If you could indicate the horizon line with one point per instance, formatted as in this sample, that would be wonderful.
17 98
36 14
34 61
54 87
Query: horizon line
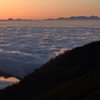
16 19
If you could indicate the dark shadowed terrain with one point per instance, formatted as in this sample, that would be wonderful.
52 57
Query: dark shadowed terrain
65 67
86 87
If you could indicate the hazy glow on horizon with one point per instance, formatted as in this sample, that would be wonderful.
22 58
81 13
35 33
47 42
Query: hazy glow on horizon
42 9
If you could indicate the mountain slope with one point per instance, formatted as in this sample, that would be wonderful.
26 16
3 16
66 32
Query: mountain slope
72 64
86 87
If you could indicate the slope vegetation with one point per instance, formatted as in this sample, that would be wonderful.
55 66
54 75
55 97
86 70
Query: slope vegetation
70 65
86 87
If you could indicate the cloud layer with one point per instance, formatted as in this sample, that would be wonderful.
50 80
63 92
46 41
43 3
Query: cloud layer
27 45
4 82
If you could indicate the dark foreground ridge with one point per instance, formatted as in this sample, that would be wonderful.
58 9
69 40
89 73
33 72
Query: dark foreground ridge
70 65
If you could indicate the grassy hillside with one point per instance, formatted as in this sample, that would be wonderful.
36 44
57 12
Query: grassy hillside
83 88
70 65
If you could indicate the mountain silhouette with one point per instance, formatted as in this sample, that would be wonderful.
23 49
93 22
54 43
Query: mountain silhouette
77 18
6 75
10 19
65 67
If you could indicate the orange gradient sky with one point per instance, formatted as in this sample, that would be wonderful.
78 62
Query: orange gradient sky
43 9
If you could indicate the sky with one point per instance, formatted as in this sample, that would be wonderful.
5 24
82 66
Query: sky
43 9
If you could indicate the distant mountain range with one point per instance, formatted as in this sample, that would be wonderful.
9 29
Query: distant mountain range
75 75
77 18
11 19
61 18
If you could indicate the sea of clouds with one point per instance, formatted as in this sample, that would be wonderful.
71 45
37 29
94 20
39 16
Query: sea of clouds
25 46
4 82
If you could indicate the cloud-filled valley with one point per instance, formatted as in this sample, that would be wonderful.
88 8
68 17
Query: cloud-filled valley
25 46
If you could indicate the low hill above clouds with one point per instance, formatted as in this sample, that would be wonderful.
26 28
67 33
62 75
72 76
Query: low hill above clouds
70 65
6 75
